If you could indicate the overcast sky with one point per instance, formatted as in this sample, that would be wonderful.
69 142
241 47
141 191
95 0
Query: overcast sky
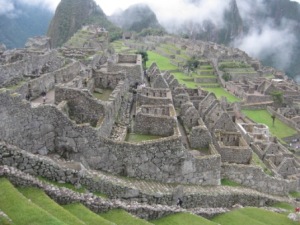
109 6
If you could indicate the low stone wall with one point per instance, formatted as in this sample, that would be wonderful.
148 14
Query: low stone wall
206 80
65 196
47 168
258 98
254 177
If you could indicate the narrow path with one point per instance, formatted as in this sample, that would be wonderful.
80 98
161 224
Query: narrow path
49 99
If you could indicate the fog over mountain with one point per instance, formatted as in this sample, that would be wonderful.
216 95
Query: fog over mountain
266 29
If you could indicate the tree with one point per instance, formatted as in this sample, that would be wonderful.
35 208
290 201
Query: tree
226 76
145 58
273 119
277 97
192 64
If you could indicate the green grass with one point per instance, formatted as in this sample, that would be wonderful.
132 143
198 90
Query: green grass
20 210
279 129
131 137
226 182
284 205
253 216
181 219
219 92
162 62
295 194
86 215
104 96
39 198
5 221
121 217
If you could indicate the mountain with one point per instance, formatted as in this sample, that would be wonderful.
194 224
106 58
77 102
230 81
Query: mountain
266 29
71 15
136 18
21 22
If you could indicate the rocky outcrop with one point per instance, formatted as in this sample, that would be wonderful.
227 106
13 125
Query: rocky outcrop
71 15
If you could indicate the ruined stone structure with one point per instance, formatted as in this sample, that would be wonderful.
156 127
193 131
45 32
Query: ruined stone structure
60 108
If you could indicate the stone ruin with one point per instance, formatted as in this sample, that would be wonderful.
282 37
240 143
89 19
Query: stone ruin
91 107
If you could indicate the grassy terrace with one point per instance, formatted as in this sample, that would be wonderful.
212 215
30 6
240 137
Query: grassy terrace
165 64
86 215
253 216
42 200
219 92
279 129
162 62
121 217
20 210
182 218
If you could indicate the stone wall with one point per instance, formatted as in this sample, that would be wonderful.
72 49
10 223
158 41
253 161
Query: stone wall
83 108
107 80
210 200
32 64
254 177
143 99
46 129
200 137
258 98
96 204
135 59
154 124
134 72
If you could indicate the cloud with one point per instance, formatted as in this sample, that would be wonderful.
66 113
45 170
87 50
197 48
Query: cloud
49 4
269 41
6 7
181 11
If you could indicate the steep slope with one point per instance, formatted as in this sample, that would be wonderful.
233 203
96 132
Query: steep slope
13 202
71 15
136 18
21 22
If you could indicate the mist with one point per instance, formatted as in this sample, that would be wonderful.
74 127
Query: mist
266 40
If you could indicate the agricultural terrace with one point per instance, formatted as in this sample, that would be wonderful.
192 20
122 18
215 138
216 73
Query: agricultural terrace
165 64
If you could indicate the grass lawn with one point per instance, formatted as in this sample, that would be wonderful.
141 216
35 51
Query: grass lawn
121 217
104 96
226 182
162 62
39 198
182 218
253 216
279 129
220 92
86 215
20 209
